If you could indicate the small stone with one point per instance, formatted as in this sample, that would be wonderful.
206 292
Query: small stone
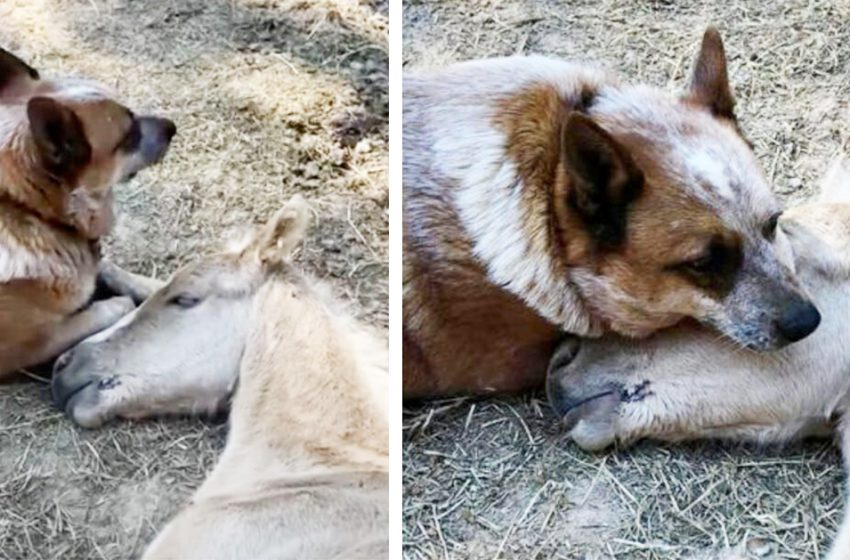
759 547
312 169
795 183
363 147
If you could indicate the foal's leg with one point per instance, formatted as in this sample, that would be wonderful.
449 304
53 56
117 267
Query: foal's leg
841 546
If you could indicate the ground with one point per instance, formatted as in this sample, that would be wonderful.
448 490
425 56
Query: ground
271 98
498 478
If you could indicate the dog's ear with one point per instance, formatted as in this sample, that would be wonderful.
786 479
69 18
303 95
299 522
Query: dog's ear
604 179
282 234
58 135
15 74
710 81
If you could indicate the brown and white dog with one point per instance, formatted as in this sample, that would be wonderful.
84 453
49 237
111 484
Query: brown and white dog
543 197
63 144
686 383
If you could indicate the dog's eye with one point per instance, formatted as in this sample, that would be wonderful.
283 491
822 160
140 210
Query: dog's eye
184 301
702 265
715 268
769 228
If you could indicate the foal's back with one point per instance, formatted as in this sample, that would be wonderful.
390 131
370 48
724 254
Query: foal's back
304 472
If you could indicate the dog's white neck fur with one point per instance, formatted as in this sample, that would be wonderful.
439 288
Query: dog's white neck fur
471 151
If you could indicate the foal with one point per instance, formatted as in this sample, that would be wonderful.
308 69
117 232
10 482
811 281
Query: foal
304 472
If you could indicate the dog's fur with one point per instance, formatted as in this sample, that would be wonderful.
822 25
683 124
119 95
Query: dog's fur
686 383
63 144
304 472
541 197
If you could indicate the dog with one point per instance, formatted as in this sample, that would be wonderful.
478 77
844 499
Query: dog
686 383
64 143
542 198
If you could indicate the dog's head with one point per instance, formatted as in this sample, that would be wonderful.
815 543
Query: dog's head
674 215
66 142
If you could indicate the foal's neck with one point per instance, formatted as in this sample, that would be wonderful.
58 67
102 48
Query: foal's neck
312 385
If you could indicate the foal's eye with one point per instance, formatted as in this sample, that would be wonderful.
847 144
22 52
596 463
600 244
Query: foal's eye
185 301
769 228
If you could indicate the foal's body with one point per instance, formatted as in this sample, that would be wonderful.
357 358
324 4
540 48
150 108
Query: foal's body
304 472
305 464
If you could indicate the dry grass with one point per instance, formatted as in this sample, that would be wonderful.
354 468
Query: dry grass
497 478
271 97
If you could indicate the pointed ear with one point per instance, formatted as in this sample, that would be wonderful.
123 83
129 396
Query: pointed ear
835 184
710 81
604 179
15 74
284 231
58 134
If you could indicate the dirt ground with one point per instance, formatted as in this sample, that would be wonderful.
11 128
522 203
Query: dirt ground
271 97
497 478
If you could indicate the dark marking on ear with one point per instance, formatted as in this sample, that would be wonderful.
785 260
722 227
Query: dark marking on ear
710 81
586 99
13 69
604 179
59 136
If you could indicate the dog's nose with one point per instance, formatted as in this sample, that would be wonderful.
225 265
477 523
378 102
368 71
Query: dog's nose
63 361
169 129
798 321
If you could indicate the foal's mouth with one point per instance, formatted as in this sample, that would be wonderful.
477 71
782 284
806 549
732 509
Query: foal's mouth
62 395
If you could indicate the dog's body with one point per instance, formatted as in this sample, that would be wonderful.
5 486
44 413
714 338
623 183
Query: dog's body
686 383
63 145
542 197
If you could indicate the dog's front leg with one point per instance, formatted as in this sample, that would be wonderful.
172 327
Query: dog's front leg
77 327
841 545
123 283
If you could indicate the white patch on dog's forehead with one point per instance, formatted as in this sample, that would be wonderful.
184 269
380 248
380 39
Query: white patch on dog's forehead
710 170
710 161
80 89
724 175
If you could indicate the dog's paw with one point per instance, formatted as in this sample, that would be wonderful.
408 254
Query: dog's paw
110 279
108 311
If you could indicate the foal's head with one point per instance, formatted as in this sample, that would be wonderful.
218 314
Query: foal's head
180 350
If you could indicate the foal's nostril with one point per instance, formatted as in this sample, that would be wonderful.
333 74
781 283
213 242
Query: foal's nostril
63 361
798 321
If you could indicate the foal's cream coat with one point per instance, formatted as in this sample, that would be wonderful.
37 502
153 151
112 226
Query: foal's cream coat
304 472
688 383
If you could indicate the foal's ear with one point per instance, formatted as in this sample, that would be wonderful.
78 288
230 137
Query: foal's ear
835 184
284 231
